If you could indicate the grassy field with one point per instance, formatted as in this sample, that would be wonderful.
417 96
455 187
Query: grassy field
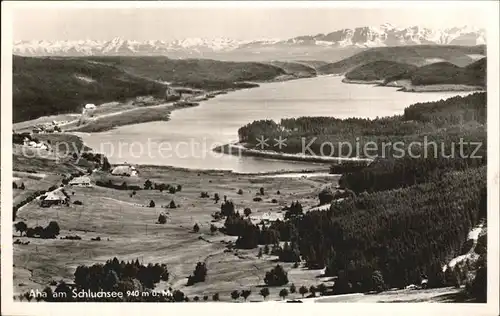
128 231
133 116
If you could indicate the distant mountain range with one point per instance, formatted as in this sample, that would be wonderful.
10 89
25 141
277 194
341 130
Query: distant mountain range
345 41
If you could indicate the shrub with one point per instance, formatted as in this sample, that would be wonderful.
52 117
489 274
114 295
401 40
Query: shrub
303 290
215 297
205 298
196 298
75 237
227 208
22 187
235 295
292 288
257 199
199 274
196 228
278 192
172 190
21 227
261 191
78 202
274 201
162 219
204 195
313 290
276 277
179 188
247 211
321 289
152 203
283 293
178 296
148 185
240 191
216 197
259 255
14 185
172 204
264 292
245 294
216 215
51 231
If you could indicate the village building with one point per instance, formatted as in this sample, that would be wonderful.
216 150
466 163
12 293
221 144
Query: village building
125 170
83 181
56 197
89 106
172 94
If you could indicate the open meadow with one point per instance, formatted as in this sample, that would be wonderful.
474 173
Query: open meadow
128 230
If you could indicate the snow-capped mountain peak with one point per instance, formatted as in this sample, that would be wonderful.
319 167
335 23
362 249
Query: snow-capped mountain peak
360 37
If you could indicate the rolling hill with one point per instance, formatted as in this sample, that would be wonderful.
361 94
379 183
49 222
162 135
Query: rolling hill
298 68
418 55
45 86
57 85
445 73
379 70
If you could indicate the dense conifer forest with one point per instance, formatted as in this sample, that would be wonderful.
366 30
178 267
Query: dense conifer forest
405 217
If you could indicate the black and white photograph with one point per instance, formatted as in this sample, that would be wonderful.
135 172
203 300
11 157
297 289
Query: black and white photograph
260 153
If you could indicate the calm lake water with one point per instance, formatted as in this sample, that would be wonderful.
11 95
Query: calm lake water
186 140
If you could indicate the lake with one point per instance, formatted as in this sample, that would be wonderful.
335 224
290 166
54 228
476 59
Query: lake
187 139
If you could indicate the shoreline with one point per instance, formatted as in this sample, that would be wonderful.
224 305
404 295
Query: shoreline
239 149
146 103
369 82
223 172
408 87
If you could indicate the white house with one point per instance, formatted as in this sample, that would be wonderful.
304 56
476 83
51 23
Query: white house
125 170
89 106
81 181
56 197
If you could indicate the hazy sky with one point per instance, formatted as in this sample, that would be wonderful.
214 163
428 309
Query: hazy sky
237 23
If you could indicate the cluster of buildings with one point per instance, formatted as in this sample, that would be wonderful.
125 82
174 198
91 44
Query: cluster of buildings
35 145
47 128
